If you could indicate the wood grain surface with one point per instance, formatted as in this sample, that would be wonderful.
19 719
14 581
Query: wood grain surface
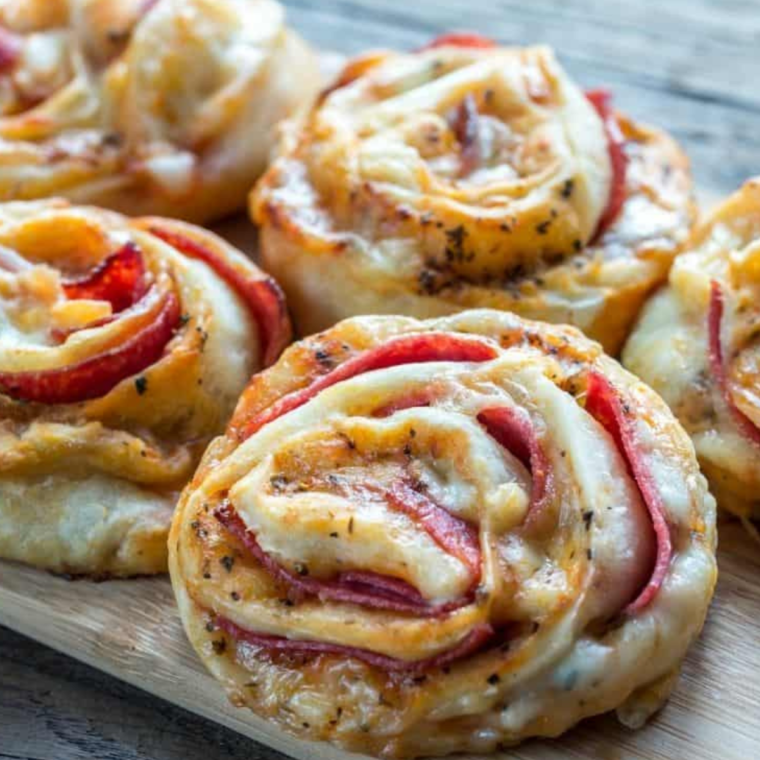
690 66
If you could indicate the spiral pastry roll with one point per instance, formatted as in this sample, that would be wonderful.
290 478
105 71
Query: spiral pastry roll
468 175
698 344
426 537
124 345
145 106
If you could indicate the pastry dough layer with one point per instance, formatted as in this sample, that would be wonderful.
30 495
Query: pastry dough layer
419 538
705 363
146 107
450 178
121 355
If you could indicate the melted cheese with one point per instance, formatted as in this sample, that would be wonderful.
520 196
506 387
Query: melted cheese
166 110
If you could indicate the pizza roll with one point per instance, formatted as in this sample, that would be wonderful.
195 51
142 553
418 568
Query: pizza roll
124 345
145 106
698 344
418 538
465 176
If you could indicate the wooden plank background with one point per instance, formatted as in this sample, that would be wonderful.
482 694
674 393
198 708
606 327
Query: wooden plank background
691 66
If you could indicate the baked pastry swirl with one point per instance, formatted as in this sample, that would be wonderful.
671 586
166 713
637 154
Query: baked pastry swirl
426 537
145 106
698 344
468 175
124 345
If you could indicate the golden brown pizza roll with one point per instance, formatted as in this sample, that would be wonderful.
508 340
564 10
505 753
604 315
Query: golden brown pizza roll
418 538
124 345
698 344
469 175
145 106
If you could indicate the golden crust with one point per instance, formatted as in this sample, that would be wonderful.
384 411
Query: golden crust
146 108
374 205
88 481
552 584
671 347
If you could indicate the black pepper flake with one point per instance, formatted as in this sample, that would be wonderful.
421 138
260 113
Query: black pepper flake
567 189
207 575
286 602
577 246
334 534
210 627
427 281
234 596
117 36
112 140
323 357
588 517
419 679
455 243
219 646
278 482
301 569
305 724
351 524
589 554
407 451
543 227
184 319
141 384
412 433
203 335
493 679
227 561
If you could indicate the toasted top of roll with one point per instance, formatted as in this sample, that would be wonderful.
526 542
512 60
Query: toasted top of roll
143 106
460 176
124 345
698 344
418 538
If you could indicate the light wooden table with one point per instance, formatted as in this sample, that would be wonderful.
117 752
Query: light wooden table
690 66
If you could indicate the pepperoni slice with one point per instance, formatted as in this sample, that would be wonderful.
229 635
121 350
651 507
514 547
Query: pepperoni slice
460 39
604 404
602 101
98 375
262 296
475 640
718 367
408 349
466 129
10 49
119 279
513 429
450 532
362 588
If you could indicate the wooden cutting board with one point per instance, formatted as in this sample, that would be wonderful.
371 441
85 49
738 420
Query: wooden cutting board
131 630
